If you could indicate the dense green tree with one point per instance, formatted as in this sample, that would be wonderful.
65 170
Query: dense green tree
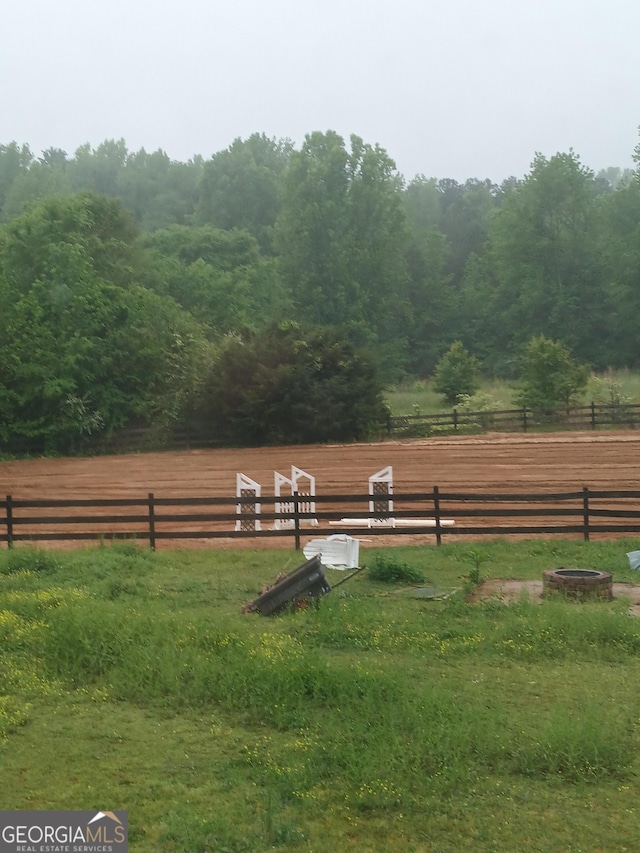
83 348
14 161
432 300
613 178
457 374
39 182
219 276
619 245
99 170
378 236
159 358
619 242
341 238
35 181
284 385
239 187
329 235
158 191
481 317
312 231
220 249
449 226
466 211
105 358
422 200
62 239
549 375
546 263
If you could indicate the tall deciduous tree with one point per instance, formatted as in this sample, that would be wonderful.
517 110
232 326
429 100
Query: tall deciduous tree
99 170
432 299
549 375
620 251
547 263
84 348
466 211
239 187
14 161
44 178
341 237
219 276
457 374
158 191
63 239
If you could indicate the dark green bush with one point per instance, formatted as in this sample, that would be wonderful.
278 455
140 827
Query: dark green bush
29 560
389 570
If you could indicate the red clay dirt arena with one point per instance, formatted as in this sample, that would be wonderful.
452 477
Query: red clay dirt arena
489 463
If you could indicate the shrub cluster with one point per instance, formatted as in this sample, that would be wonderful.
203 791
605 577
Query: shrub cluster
387 569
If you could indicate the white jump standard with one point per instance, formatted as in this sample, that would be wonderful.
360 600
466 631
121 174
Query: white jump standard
381 484
247 488
306 507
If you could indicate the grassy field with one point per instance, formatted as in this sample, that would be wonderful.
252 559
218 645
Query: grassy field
419 398
374 721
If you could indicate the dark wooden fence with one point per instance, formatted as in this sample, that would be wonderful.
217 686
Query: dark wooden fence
135 439
434 516
125 440
594 416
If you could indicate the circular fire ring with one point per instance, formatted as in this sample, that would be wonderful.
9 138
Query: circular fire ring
577 583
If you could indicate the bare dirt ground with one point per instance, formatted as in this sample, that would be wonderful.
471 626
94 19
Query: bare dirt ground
490 463
509 591
498 463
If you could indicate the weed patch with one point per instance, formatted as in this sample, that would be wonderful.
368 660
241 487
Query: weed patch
29 560
387 569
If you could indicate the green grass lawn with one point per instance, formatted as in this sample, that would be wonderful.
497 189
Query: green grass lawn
418 397
371 721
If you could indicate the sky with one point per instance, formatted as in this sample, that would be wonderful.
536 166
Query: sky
449 88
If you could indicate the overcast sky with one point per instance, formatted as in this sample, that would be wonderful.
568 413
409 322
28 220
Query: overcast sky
450 88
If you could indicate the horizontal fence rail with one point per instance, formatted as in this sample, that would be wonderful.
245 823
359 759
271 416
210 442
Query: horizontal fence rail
435 514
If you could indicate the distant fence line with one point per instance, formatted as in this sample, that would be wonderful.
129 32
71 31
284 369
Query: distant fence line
435 514
594 416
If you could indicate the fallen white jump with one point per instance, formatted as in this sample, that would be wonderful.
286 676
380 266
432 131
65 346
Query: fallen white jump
336 552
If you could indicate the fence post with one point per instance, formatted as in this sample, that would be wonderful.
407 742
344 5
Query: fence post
524 418
296 519
9 522
455 420
436 514
585 512
593 415
152 523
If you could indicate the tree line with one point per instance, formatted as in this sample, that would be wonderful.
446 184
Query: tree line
272 293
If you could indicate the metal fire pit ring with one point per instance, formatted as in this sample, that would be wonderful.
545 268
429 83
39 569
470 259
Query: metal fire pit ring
577 583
